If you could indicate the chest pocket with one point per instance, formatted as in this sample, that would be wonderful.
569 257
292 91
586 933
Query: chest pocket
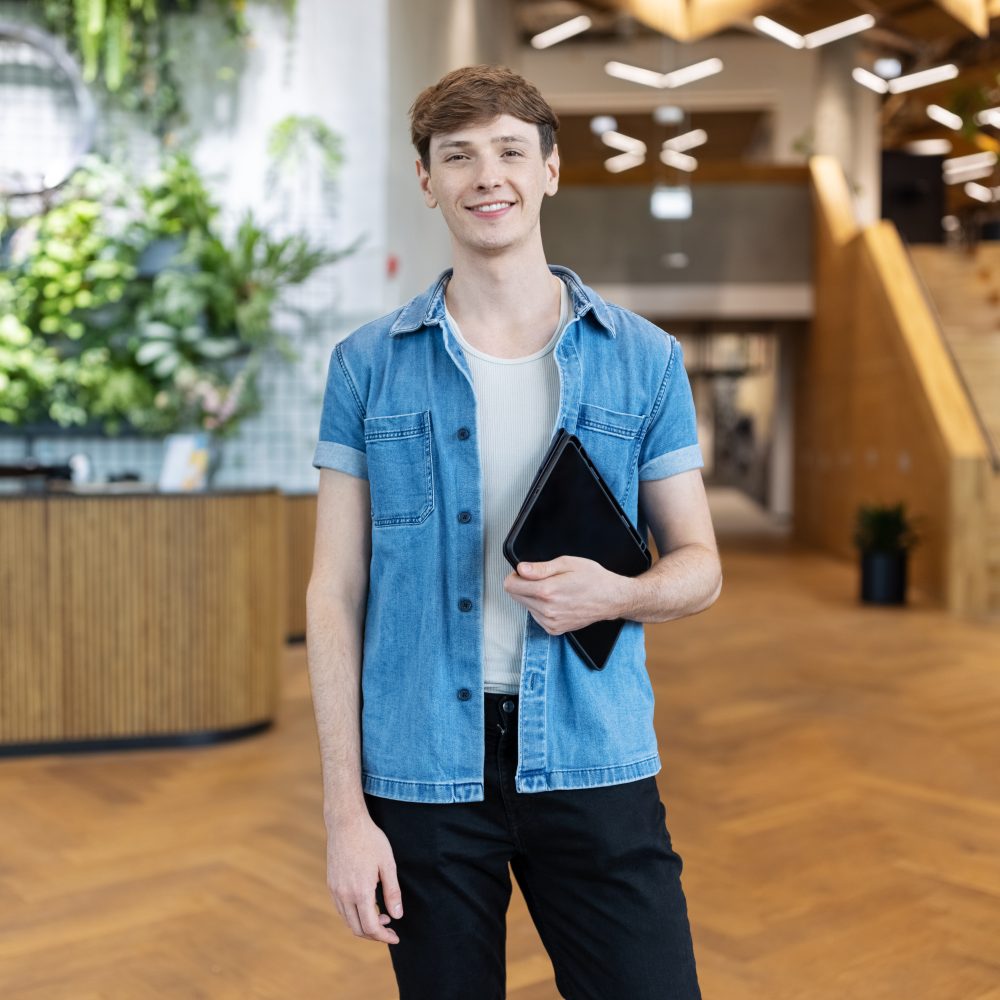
400 468
610 439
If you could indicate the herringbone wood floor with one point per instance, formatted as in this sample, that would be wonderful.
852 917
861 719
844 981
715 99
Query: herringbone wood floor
831 776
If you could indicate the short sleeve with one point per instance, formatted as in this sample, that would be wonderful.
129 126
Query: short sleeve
671 442
341 442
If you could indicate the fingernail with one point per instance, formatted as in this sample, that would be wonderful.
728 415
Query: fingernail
397 910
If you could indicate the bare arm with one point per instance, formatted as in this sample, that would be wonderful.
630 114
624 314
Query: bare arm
359 855
687 575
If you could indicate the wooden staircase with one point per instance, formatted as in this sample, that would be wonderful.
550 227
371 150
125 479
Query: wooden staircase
963 289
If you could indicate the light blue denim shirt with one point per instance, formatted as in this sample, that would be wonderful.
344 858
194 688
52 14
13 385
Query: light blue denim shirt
400 410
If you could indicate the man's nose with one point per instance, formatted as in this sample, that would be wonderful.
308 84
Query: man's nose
488 176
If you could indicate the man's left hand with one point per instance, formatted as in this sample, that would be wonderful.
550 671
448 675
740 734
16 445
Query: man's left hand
566 593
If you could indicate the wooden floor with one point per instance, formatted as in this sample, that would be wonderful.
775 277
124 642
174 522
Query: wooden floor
831 776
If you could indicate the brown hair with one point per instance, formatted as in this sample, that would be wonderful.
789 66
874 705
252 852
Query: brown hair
474 95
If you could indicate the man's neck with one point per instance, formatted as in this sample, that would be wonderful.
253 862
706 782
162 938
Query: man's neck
506 292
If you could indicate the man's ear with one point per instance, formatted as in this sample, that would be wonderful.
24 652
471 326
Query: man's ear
424 179
552 171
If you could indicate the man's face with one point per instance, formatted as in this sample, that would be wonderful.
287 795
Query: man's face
489 181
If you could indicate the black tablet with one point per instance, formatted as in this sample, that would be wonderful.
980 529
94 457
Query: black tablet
570 510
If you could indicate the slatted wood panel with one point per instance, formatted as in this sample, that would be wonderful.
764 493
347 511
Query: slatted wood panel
881 414
831 776
300 516
139 615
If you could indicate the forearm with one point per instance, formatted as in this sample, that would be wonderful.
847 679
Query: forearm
334 650
680 583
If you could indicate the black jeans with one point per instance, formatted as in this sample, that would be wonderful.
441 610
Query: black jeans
595 866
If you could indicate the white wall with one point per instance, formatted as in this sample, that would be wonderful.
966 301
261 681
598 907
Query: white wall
426 40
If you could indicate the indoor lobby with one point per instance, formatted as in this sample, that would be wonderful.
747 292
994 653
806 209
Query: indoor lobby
200 203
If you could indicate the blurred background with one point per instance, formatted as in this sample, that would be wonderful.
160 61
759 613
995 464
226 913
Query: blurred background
200 198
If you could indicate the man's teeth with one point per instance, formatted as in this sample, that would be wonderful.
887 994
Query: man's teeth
495 206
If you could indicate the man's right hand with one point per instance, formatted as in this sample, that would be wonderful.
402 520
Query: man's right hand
358 857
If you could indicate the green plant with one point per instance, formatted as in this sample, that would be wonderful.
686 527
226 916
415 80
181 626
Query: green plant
91 332
884 528
124 45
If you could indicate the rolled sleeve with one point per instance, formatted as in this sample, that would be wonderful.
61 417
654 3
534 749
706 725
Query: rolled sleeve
671 442
341 442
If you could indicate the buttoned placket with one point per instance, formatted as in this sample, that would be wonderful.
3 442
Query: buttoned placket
531 742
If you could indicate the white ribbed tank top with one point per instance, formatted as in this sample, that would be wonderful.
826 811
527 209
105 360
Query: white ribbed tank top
517 403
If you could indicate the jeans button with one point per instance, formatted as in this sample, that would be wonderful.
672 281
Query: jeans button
508 706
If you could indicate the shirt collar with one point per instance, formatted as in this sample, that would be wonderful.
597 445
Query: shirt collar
427 308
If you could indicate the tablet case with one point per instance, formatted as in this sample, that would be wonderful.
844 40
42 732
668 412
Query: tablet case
570 510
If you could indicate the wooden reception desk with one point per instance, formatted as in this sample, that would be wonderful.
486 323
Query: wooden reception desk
139 619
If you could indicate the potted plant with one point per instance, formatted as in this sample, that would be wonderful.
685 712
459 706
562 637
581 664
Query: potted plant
884 534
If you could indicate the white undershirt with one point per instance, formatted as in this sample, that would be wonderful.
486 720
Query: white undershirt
517 403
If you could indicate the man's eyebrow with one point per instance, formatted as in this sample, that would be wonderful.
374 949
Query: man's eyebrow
460 143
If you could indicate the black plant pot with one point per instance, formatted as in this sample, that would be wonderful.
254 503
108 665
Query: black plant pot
883 576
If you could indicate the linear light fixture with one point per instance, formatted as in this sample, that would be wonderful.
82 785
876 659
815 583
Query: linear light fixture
687 140
815 38
574 26
970 162
979 192
696 71
624 161
634 74
625 143
929 147
923 79
971 174
663 81
991 116
868 79
944 117
679 160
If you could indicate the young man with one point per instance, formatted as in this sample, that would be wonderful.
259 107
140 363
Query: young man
461 736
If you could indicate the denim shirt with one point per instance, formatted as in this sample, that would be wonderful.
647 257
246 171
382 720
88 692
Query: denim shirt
399 409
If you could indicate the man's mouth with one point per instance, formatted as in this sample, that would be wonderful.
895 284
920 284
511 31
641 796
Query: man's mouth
491 209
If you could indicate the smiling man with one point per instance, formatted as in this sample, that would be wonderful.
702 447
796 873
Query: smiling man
461 736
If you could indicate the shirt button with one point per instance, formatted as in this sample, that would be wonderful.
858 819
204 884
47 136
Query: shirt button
464 694
463 433
465 604
464 517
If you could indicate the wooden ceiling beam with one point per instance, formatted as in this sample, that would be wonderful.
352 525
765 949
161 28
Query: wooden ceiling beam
688 20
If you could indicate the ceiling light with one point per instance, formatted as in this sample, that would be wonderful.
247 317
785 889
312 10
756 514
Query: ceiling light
868 79
970 174
679 160
574 26
950 223
668 114
624 161
600 124
677 259
687 140
688 74
944 117
670 202
778 31
634 74
840 30
887 67
623 142
973 160
923 79
978 192
929 147
991 116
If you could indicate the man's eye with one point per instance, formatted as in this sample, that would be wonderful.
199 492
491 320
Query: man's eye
516 152
454 156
